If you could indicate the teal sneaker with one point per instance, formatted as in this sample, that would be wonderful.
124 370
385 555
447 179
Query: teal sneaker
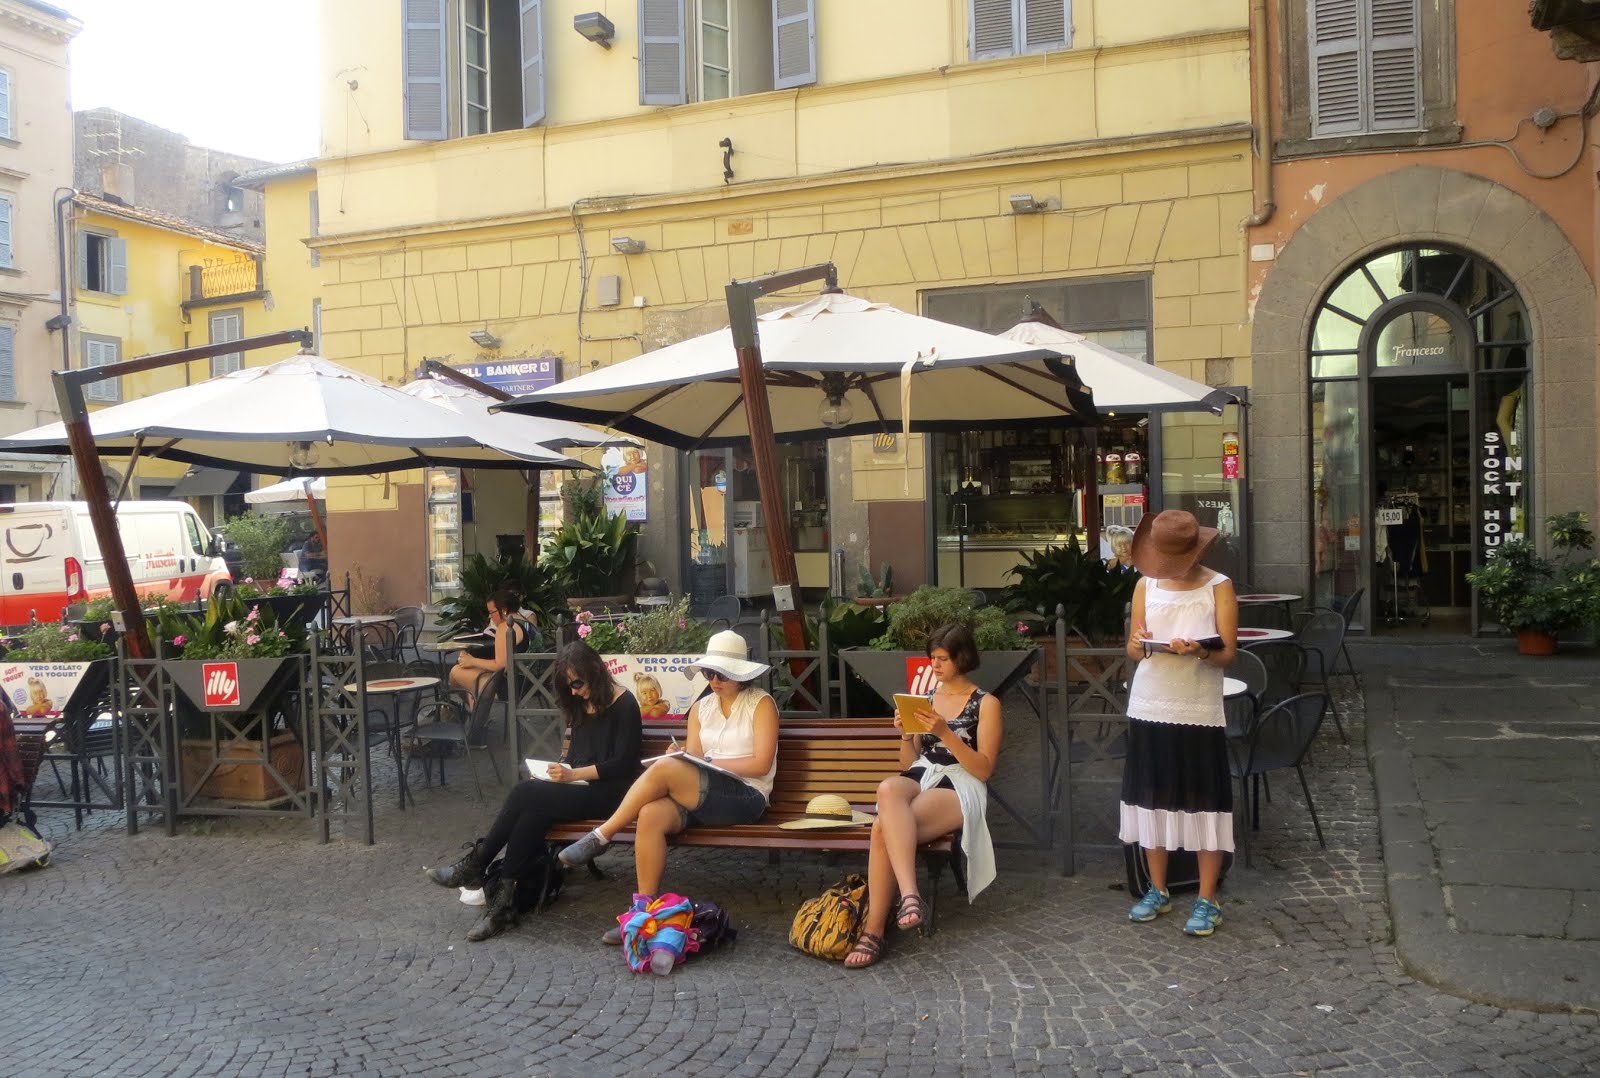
1152 905
1204 918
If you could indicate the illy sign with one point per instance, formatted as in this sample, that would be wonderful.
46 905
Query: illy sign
221 682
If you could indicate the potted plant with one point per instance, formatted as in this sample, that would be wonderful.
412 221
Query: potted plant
591 558
261 540
893 662
1067 575
650 654
299 602
876 591
51 669
234 665
1539 597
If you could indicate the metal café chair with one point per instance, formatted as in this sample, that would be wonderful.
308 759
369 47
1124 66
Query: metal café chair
1285 665
724 612
450 725
1320 636
1280 737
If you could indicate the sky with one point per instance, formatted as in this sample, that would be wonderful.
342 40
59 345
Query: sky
218 71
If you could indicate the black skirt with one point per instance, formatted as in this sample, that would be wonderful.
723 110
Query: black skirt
1177 767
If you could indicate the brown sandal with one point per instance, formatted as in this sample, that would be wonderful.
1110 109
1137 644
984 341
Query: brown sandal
869 944
910 906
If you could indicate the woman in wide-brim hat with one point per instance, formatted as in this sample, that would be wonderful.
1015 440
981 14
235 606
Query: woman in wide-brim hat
722 777
1177 792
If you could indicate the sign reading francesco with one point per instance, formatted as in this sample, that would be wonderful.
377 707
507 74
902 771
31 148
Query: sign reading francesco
221 682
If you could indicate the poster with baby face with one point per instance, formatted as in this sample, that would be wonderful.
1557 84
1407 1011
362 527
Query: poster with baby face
39 690
626 480
659 683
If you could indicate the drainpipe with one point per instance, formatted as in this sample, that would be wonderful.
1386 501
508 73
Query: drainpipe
63 276
1261 108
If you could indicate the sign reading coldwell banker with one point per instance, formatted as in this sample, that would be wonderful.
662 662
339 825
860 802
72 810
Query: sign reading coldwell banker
516 374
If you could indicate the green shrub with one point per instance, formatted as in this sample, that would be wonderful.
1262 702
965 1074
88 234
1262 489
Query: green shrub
52 642
261 540
913 619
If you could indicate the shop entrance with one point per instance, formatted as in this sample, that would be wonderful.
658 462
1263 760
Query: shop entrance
1422 494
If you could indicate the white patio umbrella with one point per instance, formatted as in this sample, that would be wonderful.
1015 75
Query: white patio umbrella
834 367
301 415
290 490
475 406
1121 383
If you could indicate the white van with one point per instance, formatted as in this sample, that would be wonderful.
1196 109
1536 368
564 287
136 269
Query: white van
49 557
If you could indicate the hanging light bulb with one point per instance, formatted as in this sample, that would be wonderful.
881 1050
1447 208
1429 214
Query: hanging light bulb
835 412
302 455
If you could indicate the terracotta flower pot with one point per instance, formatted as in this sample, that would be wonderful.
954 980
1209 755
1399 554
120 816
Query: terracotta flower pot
1535 642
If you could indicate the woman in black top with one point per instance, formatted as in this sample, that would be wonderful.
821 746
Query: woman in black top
477 664
602 760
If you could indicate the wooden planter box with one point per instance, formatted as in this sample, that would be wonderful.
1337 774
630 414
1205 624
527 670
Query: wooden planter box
249 779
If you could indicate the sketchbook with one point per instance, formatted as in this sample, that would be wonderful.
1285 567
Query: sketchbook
707 764
540 769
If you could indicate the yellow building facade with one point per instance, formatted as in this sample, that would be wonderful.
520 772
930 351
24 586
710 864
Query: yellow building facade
899 155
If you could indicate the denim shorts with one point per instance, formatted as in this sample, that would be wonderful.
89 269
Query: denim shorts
724 801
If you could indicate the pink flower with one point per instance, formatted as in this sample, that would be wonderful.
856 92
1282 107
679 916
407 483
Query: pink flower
73 637
1022 627
584 630
179 640
585 617
255 612
253 639
682 624
105 626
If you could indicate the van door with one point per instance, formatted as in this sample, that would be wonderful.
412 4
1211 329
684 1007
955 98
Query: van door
34 547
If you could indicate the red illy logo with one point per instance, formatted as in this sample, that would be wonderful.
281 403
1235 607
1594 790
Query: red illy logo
221 684
919 677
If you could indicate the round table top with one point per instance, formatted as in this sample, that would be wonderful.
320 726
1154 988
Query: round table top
1268 597
396 684
364 619
652 600
1232 686
450 645
1254 635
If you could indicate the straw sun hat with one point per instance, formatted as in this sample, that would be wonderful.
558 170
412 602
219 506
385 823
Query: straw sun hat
1168 543
729 655
827 810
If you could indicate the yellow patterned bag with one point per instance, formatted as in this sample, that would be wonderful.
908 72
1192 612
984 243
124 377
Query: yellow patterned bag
826 926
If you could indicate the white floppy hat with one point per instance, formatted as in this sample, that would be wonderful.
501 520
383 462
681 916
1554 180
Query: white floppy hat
827 810
729 655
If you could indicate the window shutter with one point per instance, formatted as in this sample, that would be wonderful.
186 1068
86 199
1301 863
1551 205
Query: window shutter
1396 79
532 61
8 363
662 79
794 43
225 328
5 104
1046 24
314 212
1335 66
5 232
117 266
994 28
426 111
98 354
83 264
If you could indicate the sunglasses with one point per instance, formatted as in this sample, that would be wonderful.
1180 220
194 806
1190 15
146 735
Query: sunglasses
576 683
714 675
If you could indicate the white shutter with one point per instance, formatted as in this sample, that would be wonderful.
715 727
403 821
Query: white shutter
662 78
5 231
425 64
1396 75
1046 24
116 266
98 354
8 363
226 327
794 43
532 12
994 28
83 264
1335 30
5 104
314 212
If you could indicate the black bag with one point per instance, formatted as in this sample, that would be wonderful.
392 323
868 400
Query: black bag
710 927
1183 870
537 888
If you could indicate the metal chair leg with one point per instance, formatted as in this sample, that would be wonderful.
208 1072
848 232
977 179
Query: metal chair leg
1310 805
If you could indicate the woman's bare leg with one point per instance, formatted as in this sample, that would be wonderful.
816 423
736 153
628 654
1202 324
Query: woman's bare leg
675 779
899 830
657 820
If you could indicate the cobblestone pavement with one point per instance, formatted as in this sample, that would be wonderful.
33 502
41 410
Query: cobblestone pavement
244 948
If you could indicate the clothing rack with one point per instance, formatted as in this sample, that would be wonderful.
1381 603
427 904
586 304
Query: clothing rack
1405 601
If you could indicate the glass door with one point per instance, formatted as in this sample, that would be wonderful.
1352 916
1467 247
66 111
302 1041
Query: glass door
707 479
1203 462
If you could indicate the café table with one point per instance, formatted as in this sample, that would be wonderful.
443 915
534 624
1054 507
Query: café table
397 687
442 649
386 626
1259 635
1232 686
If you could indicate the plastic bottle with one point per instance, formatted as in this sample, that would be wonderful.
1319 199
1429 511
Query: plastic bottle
661 962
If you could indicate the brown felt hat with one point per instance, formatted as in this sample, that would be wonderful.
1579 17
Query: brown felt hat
1166 544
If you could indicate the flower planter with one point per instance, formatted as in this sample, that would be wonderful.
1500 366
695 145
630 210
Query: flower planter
658 682
1535 642
598 604
889 672
292 609
249 779
231 685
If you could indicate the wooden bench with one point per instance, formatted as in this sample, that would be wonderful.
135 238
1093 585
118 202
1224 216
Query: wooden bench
848 757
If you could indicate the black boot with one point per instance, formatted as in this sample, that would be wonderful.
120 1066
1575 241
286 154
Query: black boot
500 915
467 872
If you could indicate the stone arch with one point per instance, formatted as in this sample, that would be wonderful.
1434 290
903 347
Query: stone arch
1417 204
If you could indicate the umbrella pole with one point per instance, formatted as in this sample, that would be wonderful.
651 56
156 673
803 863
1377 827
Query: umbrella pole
530 519
758 415
316 519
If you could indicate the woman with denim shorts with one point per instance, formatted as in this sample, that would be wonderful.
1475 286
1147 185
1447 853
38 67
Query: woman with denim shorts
723 776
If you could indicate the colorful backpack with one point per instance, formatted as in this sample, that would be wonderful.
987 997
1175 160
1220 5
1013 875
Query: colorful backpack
827 926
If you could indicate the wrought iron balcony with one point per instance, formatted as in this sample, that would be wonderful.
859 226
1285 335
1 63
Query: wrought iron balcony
209 285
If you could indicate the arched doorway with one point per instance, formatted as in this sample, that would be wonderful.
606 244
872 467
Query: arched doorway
1420 454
